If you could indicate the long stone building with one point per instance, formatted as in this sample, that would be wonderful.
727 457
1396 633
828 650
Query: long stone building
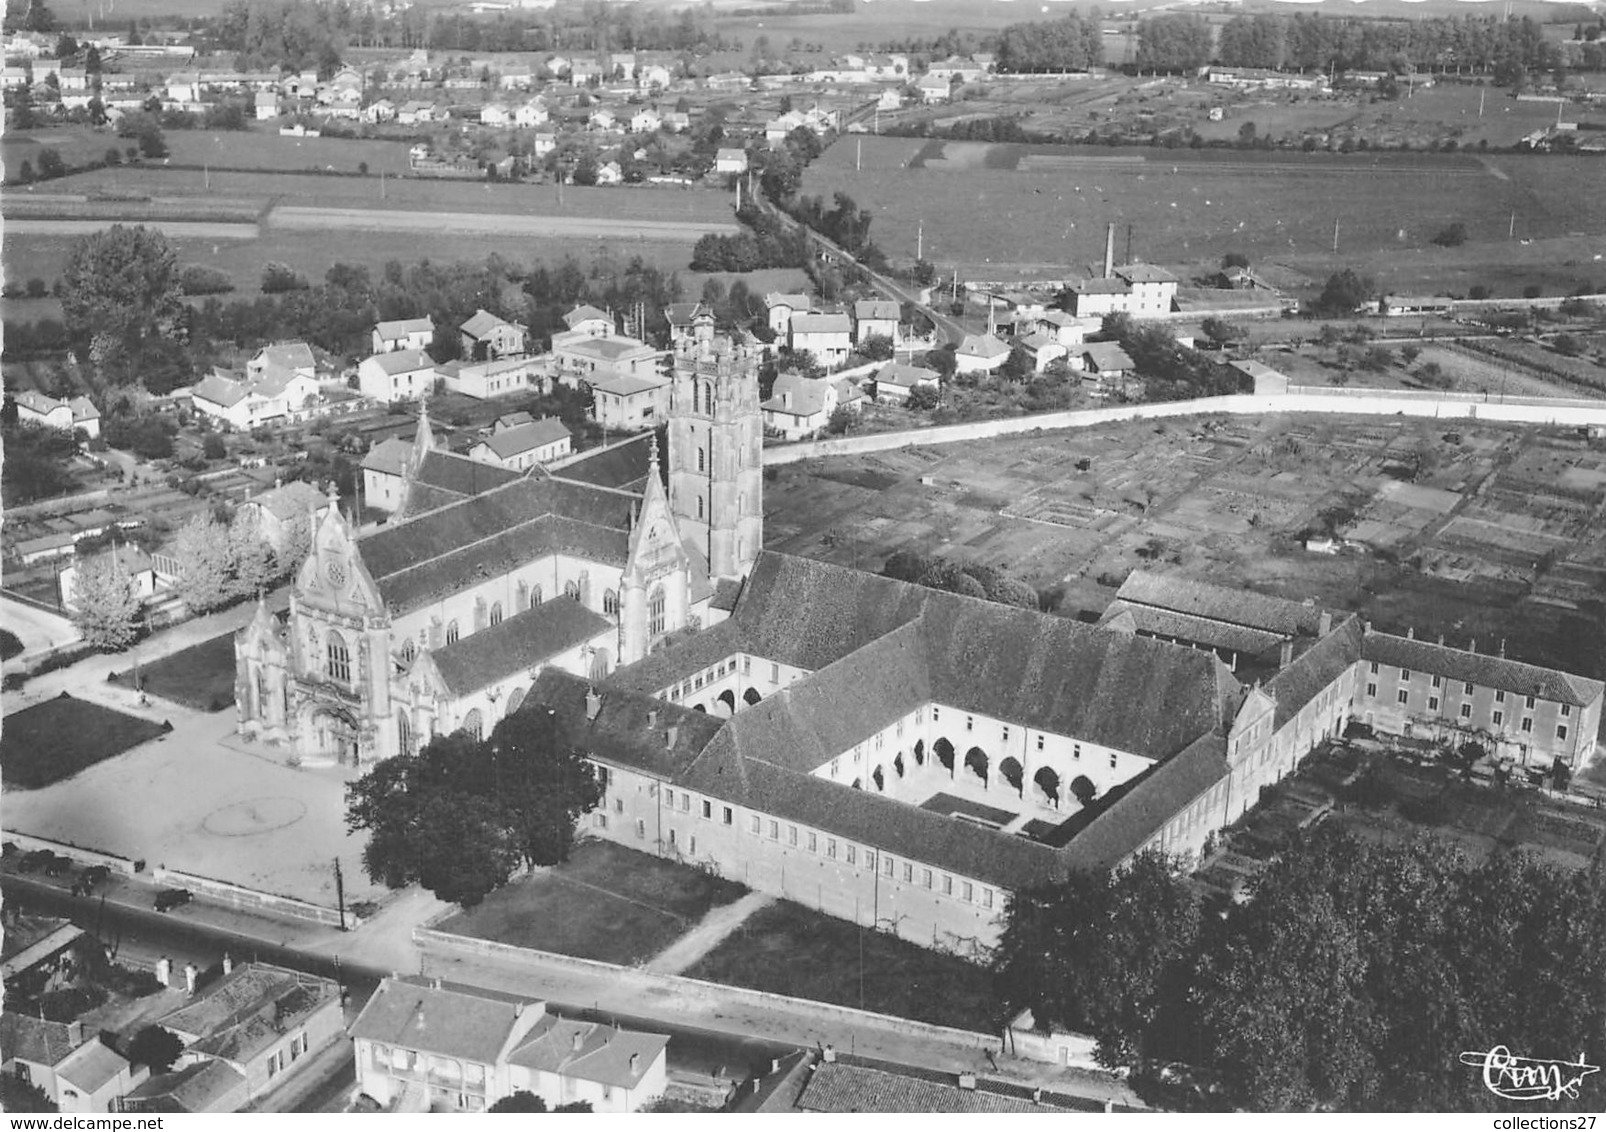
890 754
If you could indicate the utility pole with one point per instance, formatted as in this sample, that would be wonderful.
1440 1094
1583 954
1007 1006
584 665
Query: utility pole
1335 236
340 894
1481 95
858 155
1511 229
920 241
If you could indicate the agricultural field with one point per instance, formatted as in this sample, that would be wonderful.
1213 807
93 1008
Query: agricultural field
1227 500
264 148
998 208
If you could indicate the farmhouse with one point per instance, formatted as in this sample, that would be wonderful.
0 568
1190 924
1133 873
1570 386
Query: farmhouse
934 89
245 403
420 1047
404 334
487 336
69 416
523 445
398 375
829 337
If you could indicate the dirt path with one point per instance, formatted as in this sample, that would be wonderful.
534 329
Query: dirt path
710 933
399 220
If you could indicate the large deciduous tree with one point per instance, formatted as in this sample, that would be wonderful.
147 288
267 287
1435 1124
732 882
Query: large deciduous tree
107 613
206 560
121 289
461 815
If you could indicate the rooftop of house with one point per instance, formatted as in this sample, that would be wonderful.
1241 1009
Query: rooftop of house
1144 273
1481 669
821 324
1101 287
590 1051
200 1087
402 327
853 1086
288 355
91 1066
798 395
876 309
1274 615
1107 356
782 299
607 348
514 441
483 323
287 501
628 384
451 1023
982 346
389 456
896 373
249 1009
401 361
26 1038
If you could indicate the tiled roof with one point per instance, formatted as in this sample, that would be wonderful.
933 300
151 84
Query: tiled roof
1144 273
33 1039
482 323
1101 287
249 1009
838 1087
608 348
389 456
1123 615
604 1052
519 439
821 324
684 314
402 361
402 327
287 501
631 728
1218 603
1148 802
1107 356
783 299
288 355
220 390
628 385
1481 669
882 309
807 395
91 1066
446 1022
460 475
1315 669
982 346
585 313
621 465
896 373
520 642
207 1086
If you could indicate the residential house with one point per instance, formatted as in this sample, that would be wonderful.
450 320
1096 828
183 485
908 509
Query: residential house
1043 349
933 89
889 99
404 334
182 86
267 105
682 318
1153 289
421 1047
485 335
1066 329
1093 298
653 76
677 121
876 317
622 66
516 76
245 403
954 67
629 401
71 79
777 128
77 1074
128 560
398 375
895 381
980 353
586 319
602 119
591 358
282 358
645 121
495 377
543 144
829 337
69 416
1106 362
496 114
610 173
275 512
379 111
584 72
801 407
530 115
244 1036
418 113
13 77
383 471
730 160
558 66
523 445
780 307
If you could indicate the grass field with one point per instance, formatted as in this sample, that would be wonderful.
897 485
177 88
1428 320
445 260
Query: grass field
788 949
606 903
54 740
199 677
262 147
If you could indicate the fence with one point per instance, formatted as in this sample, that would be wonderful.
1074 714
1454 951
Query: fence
238 896
731 998
1514 410
27 843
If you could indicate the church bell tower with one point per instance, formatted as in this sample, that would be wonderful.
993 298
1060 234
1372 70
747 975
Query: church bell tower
716 439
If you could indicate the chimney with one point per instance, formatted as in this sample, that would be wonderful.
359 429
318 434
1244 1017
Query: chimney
593 705
518 1010
786 398
75 1033
1472 645
435 983
671 735
1441 638
164 971
579 1041
1502 648
1037 1096
968 1080
1325 625
1109 252
635 1061
1410 634
652 717
228 963
190 974
1285 654
830 1055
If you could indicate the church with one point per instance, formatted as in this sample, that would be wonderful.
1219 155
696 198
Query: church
898 756
440 620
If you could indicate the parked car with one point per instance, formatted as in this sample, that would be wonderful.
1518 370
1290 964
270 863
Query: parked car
170 898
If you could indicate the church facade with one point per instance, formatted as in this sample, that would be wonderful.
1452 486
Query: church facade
441 620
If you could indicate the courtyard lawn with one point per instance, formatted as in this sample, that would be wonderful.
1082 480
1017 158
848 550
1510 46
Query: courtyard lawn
788 949
606 903
55 740
200 677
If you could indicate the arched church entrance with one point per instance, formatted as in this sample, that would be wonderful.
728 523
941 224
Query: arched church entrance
335 734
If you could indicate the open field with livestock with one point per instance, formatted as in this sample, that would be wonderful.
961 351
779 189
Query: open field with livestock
993 208
1478 532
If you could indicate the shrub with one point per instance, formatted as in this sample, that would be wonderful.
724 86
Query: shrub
1452 235
1532 291
280 277
198 279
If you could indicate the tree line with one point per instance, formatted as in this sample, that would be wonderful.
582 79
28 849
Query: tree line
1311 42
1075 43
1351 981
